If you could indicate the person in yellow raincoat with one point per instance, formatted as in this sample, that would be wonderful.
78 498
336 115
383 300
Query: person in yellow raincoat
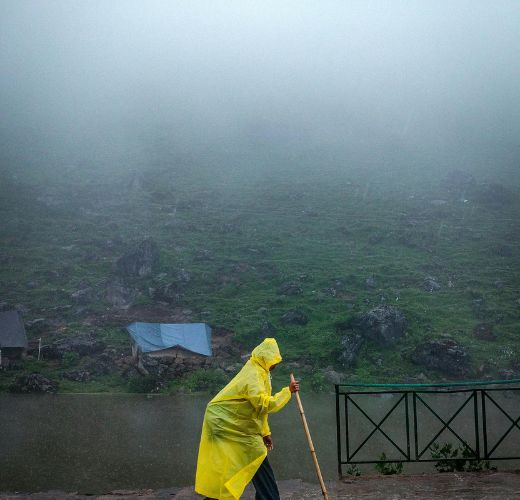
235 432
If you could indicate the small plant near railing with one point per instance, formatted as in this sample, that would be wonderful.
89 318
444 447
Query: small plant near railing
450 459
388 468
353 470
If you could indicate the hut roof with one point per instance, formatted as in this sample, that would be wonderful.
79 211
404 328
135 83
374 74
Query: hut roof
150 337
12 331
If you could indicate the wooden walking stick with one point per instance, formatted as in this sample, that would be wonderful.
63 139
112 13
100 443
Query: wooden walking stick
311 446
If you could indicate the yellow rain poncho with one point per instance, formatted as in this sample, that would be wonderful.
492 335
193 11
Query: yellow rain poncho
231 445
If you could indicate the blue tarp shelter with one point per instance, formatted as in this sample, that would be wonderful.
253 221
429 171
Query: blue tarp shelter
150 337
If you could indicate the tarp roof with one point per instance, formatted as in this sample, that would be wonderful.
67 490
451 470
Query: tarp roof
12 331
195 337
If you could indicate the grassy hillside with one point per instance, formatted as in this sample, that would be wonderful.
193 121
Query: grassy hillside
348 243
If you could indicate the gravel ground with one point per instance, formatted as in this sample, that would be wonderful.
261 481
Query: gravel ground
452 486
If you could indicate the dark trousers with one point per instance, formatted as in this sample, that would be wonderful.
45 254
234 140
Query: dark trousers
265 483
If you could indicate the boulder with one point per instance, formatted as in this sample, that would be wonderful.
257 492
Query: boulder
444 355
143 260
168 292
183 277
33 383
350 346
371 282
83 345
332 376
38 326
384 324
430 284
119 295
294 317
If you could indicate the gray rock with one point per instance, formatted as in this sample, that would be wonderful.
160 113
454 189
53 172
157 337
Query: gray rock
371 282
384 324
267 329
350 346
38 325
294 317
83 296
506 374
444 355
204 255
33 383
183 277
140 261
119 295
332 376
430 284
22 308
83 345
169 292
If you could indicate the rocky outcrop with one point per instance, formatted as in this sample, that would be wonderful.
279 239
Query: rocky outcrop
444 355
430 284
143 260
83 296
119 295
33 383
350 346
83 345
384 325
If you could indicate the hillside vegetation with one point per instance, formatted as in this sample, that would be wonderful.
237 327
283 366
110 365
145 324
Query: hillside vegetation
241 252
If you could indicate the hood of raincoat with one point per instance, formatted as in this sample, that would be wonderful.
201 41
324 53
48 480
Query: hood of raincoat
266 354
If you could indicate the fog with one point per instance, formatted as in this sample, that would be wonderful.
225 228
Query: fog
260 86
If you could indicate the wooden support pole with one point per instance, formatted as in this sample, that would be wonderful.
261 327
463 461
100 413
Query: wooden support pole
311 446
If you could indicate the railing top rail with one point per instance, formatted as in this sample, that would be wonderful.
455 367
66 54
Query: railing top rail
443 384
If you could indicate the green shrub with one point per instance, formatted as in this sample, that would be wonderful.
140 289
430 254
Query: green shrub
353 470
388 468
318 382
206 380
69 359
148 383
451 459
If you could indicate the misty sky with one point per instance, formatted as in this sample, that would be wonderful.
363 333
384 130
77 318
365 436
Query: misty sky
434 80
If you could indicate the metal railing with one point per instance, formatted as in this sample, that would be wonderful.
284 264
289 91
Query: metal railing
415 403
